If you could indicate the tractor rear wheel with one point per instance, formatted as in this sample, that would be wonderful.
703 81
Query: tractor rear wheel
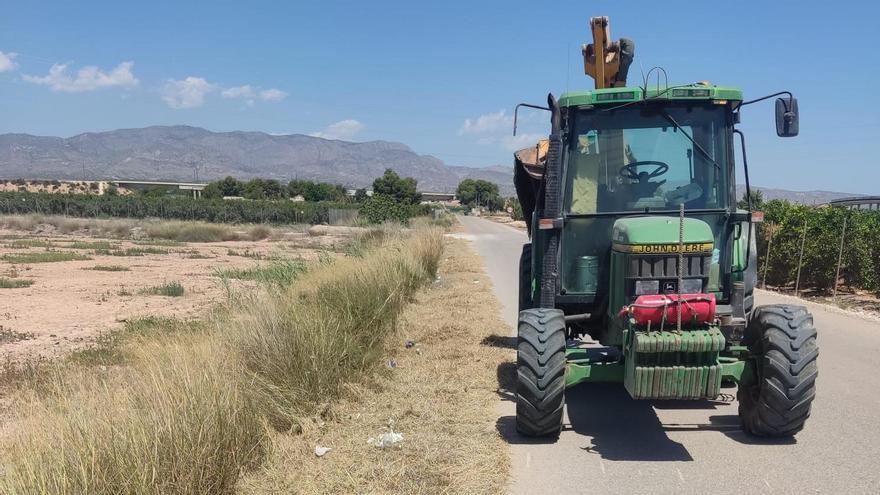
782 340
540 372
525 277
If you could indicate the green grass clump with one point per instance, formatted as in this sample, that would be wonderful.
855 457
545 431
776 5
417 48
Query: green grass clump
28 243
14 283
198 256
134 251
159 242
278 273
44 257
247 253
102 245
109 268
169 289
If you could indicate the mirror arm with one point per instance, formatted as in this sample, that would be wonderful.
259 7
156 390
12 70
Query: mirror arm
756 100
516 111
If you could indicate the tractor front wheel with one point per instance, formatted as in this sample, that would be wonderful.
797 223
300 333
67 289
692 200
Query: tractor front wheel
782 340
540 372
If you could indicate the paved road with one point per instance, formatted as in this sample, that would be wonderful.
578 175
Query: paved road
613 444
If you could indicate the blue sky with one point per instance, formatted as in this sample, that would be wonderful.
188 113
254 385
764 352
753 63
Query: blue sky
442 77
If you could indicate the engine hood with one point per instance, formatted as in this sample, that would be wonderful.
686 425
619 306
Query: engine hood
659 234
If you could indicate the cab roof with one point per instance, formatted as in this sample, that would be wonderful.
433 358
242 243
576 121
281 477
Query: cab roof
696 91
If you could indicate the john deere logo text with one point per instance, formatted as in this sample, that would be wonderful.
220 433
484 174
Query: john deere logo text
693 247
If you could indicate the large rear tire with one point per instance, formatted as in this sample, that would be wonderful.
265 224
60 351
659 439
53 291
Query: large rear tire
540 372
782 340
525 277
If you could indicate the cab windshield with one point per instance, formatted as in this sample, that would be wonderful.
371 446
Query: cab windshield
647 159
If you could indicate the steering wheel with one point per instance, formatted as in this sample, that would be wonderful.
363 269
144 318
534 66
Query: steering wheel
629 171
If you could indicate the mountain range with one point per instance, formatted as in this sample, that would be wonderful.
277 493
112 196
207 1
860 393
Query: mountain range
184 153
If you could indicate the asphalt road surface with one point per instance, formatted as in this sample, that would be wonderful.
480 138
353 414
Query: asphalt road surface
613 444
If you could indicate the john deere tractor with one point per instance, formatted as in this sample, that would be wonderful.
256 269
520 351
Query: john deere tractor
640 267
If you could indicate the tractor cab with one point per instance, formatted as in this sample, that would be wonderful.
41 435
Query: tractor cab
629 164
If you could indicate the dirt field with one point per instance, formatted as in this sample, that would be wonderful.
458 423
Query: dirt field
68 303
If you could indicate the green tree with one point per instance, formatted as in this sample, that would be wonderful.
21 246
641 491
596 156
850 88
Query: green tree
228 186
360 195
263 189
479 192
316 191
757 200
402 189
381 208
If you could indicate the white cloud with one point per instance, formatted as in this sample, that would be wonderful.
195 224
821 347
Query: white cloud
272 94
88 78
344 129
520 141
249 94
7 62
496 128
487 123
186 93
245 91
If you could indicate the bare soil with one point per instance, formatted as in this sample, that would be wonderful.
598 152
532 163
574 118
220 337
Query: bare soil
69 303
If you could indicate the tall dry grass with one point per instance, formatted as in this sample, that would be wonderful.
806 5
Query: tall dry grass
188 413
301 345
181 421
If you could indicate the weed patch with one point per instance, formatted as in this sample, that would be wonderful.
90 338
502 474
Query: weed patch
44 257
108 268
14 283
278 273
169 289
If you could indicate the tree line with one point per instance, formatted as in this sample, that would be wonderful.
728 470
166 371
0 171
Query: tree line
265 201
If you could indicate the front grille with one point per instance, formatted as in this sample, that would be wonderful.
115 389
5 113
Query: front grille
660 267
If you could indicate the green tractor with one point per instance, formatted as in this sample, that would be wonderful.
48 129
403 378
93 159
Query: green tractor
636 241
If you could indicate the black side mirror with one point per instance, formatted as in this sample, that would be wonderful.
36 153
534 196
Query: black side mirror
786 117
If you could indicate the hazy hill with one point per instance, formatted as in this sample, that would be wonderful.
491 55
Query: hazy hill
177 152
804 197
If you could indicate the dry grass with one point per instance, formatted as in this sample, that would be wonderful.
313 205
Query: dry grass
302 345
442 397
187 413
179 422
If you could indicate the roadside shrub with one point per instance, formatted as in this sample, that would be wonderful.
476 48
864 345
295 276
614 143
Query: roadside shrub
380 208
